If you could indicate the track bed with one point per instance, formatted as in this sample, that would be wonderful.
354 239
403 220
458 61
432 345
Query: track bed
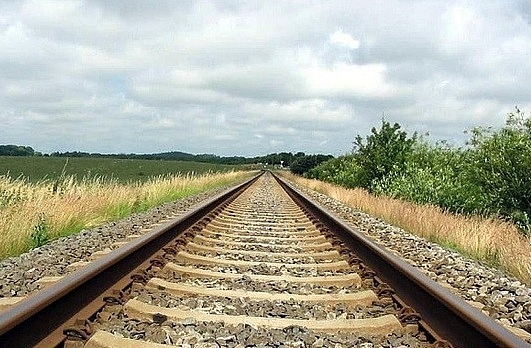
256 268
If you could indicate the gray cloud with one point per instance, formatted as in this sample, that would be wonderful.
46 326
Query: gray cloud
247 79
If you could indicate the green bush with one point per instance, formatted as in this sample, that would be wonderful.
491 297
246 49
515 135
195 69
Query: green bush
303 164
502 167
41 232
383 151
436 175
490 177
344 171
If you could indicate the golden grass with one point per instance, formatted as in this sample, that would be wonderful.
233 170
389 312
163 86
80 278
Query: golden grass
31 213
490 240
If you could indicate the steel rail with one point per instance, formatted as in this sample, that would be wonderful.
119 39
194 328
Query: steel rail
450 317
41 319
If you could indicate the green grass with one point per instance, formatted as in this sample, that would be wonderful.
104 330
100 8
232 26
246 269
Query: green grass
35 169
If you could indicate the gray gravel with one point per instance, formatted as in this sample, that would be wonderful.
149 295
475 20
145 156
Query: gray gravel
246 283
260 258
253 239
271 309
202 335
271 270
267 248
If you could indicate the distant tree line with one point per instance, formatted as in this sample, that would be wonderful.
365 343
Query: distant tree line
302 162
16 150
284 159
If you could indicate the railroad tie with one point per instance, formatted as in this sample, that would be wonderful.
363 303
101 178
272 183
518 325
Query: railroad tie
184 256
351 279
382 325
361 298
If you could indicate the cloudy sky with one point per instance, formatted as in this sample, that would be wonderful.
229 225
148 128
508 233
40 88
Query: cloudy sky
250 78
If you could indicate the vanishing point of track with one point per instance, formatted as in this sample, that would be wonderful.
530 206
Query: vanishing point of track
261 246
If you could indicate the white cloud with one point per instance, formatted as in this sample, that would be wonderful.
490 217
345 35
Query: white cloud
348 80
343 39
315 111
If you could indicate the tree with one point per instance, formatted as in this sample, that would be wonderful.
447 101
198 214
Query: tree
383 151
16 150
303 164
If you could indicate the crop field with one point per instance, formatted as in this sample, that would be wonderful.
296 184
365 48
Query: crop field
35 169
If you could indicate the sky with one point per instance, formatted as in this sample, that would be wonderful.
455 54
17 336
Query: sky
249 78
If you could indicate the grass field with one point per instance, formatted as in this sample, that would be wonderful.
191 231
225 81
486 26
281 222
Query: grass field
44 198
35 169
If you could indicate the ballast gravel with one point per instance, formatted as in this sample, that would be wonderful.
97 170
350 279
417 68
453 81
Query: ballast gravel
266 269
259 258
209 334
270 309
248 284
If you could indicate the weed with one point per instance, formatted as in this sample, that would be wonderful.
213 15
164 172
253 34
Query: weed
41 232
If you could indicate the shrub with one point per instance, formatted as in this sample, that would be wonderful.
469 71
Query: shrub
490 177
501 166
384 151
41 232
436 175
303 164
344 171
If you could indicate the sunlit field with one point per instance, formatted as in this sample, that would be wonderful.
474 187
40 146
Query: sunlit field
495 242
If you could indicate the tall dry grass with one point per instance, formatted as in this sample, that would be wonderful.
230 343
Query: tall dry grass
33 213
490 240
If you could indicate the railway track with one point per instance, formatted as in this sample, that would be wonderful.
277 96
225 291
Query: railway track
260 265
